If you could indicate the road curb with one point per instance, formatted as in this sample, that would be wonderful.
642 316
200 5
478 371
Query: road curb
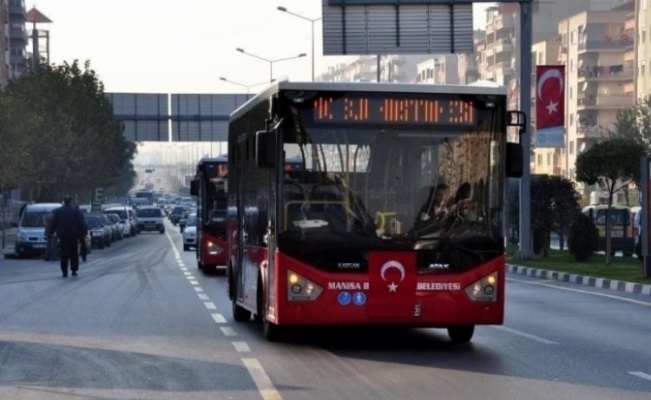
601 283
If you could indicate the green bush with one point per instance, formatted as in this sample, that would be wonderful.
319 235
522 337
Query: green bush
583 238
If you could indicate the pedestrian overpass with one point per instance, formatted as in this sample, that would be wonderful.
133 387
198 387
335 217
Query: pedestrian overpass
171 117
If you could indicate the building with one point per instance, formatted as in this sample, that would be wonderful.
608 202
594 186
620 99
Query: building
639 22
393 68
440 69
600 71
4 42
17 37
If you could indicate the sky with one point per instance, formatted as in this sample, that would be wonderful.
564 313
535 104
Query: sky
185 46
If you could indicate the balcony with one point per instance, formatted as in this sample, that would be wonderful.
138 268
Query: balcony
504 46
504 68
603 101
504 21
605 45
587 131
605 73
631 21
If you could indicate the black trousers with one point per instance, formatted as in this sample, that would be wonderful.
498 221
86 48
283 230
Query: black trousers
69 253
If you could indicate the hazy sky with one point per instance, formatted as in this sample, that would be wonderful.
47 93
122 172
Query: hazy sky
184 46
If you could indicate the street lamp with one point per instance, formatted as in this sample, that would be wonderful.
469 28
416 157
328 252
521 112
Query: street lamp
248 87
271 62
310 20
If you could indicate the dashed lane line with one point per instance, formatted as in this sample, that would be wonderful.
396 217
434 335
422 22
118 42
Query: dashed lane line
241 347
210 305
228 331
198 289
203 296
524 334
218 318
262 381
641 375
194 283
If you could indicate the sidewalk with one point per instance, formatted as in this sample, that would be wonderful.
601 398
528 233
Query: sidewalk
601 283
9 238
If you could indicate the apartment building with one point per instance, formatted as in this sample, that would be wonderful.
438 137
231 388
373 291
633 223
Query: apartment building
596 49
4 42
639 22
440 69
17 37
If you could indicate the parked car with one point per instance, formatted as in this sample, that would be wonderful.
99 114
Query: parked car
127 219
190 232
30 236
100 233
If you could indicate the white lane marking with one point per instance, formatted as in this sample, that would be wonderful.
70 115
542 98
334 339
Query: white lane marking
228 331
198 289
194 283
210 305
641 375
187 273
261 379
191 277
203 296
218 318
241 347
610 296
181 264
184 269
524 334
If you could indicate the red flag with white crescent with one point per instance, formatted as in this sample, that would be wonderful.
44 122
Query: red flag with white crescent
550 96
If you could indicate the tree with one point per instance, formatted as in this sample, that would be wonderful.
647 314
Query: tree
612 164
64 132
633 123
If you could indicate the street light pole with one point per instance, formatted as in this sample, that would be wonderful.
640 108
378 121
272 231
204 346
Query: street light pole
271 62
248 87
311 21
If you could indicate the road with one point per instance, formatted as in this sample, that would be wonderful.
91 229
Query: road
140 322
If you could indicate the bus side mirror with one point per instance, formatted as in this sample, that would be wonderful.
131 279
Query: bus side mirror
514 164
514 151
194 187
265 149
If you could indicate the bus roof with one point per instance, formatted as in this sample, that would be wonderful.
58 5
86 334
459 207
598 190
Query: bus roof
388 87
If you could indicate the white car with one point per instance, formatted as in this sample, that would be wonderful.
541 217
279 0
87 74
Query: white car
190 232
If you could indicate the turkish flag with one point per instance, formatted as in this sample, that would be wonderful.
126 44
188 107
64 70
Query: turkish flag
550 96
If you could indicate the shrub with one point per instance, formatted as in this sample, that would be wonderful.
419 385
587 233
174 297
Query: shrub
583 239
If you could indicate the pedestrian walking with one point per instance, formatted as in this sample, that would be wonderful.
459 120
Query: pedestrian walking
52 246
68 224
83 246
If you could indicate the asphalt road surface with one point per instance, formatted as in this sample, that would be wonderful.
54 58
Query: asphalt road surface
141 322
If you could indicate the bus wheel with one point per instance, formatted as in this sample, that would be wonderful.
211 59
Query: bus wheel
272 332
240 314
259 301
461 334
199 265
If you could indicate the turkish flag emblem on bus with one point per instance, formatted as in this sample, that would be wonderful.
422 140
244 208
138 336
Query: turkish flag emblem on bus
550 96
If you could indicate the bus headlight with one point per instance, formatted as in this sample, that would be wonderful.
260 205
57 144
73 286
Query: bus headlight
301 289
214 249
484 289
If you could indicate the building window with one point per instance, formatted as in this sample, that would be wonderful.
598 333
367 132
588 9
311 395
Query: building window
549 159
540 159
572 147
643 38
572 38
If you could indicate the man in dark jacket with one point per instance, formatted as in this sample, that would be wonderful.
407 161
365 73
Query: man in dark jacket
68 224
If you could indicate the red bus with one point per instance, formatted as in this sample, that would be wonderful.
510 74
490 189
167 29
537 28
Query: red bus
357 234
209 185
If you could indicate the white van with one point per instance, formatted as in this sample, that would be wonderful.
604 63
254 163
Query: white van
30 237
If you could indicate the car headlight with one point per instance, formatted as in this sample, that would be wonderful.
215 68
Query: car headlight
484 289
22 236
300 288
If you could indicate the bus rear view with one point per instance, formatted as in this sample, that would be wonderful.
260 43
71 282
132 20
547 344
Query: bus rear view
395 217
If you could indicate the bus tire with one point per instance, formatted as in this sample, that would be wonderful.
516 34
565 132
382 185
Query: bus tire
259 302
461 333
272 332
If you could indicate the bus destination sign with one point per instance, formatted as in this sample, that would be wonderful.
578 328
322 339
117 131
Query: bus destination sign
398 110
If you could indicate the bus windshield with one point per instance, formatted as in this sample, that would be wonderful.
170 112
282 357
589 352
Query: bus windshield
392 185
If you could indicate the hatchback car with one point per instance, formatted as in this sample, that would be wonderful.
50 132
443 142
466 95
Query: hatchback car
190 232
